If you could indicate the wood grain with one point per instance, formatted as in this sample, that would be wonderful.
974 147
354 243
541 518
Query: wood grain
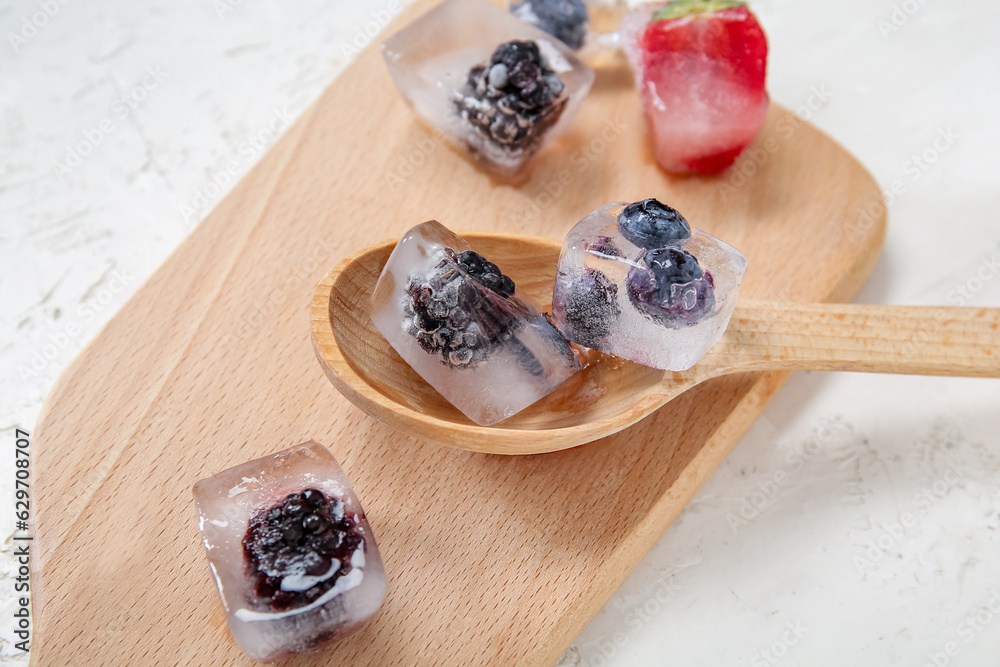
611 394
490 559
910 340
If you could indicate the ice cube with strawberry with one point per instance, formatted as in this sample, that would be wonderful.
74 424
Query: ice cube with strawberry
700 69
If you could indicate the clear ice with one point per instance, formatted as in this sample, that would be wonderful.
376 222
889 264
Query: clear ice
326 577
644 299
441 64
460 324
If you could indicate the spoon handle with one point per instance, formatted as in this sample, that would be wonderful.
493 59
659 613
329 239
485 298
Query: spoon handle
920 340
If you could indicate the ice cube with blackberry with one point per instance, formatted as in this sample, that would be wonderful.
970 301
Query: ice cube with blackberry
497 87
458 320
510 103
291 551
636 281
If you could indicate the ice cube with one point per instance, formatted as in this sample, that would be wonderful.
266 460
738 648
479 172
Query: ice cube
636 281
291 551
704 98
501 108
565 20
454 317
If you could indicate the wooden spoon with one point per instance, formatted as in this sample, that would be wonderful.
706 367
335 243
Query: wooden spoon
612 394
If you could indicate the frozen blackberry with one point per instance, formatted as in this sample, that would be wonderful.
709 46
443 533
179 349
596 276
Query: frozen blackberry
671 287
565 20
296 550
591 307
514 98
451 318
652 224
485 272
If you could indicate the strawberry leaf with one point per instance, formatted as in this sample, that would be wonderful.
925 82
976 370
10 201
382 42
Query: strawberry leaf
682 8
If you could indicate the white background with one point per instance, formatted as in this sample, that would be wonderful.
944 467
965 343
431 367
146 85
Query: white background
854 454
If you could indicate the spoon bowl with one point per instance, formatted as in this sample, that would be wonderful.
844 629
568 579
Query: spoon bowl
361 364
611 394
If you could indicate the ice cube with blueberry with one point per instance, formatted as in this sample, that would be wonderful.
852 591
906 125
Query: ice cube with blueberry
565 20
498 88
700 67
636 281
291 551
460 323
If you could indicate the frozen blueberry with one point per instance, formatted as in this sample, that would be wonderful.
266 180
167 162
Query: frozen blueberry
671 287
652 224
565 20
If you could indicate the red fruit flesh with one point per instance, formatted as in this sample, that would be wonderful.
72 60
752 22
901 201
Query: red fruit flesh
703 87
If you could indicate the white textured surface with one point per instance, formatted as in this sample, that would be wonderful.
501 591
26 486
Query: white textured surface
850 456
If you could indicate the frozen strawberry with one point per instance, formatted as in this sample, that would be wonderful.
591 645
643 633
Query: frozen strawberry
700 67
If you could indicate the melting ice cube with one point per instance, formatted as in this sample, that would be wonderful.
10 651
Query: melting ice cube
291 551
637 282
497 87
455 318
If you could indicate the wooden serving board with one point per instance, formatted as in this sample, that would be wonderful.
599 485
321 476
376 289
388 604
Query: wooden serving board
490 559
